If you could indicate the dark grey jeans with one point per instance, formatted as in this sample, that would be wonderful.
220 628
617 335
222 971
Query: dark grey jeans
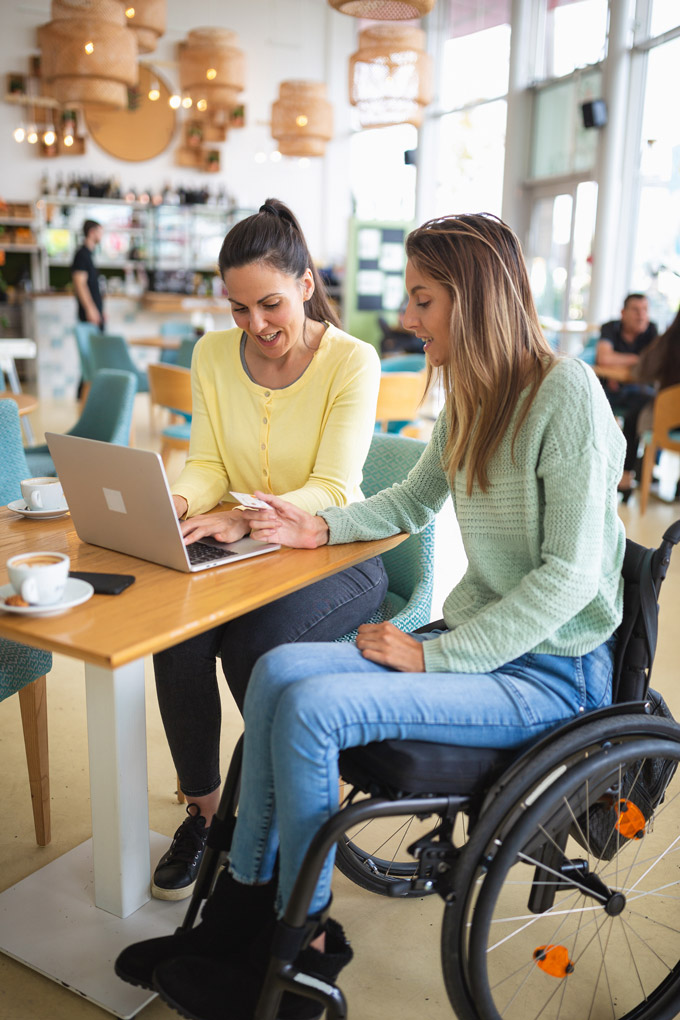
186 675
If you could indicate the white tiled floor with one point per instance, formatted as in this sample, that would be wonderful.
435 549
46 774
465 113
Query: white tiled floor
396 974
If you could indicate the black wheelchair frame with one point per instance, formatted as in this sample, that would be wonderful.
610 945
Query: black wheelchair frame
583 782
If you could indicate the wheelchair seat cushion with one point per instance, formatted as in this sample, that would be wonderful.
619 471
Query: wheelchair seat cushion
394 768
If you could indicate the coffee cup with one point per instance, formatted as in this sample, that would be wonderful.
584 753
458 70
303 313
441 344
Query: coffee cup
39 577
43 494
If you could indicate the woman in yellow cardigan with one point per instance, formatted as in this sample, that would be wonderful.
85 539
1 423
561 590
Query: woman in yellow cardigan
284 403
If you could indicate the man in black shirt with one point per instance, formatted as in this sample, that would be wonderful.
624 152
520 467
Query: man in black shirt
86 278
620 344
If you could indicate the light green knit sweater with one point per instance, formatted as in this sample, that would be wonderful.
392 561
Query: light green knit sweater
544 544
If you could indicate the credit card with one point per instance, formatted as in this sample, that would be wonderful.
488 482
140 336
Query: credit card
250 501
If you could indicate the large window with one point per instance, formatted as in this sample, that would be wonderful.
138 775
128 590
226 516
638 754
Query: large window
657 249
383 185
561 144
475 67
559 255
575 35
470 160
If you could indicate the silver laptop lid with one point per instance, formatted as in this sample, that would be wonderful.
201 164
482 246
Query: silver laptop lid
119 499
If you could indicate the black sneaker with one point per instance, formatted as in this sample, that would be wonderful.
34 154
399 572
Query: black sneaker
175 874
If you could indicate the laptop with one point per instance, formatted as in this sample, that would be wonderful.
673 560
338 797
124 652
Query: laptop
119 498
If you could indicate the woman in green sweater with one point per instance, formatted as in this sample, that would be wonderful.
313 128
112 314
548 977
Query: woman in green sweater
529 451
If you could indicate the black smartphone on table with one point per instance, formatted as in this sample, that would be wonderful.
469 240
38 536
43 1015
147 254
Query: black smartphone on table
104 584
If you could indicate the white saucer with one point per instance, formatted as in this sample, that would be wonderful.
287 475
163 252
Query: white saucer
75 592
18 506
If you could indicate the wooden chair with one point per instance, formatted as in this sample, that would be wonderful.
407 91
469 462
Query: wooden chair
665 435
170 387
399 397
23 669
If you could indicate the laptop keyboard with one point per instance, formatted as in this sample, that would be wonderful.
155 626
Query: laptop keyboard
199 552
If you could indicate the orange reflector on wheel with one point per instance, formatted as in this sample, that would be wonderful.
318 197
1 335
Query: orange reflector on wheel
630 821
554 960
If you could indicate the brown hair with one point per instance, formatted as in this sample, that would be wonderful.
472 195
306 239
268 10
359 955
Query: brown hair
274 236
496 343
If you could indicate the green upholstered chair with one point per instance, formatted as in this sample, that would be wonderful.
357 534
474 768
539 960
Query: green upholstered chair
107 416
186 351
403 363
176 328
23 669
410 566
83 331
108 350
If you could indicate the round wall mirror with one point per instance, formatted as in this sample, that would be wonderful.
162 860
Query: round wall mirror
141 131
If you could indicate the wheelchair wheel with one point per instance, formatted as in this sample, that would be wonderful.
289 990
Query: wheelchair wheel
375 855
591 931
504 806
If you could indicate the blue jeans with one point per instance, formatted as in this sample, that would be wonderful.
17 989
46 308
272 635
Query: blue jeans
186 674
307 702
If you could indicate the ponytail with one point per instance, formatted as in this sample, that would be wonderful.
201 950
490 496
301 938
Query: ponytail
274 236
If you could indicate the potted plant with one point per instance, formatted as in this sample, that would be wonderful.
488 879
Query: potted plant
194 135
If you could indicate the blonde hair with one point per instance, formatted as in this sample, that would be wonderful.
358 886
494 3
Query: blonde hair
496 344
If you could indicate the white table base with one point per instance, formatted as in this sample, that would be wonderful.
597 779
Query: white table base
49 922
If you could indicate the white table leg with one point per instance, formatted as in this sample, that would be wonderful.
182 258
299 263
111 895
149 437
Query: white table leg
49 921
116 728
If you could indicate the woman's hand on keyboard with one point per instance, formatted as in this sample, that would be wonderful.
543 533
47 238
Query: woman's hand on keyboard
225 527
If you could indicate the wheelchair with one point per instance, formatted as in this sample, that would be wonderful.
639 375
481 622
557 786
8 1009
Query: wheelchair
559 873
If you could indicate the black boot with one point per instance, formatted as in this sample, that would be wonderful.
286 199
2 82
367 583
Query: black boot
232 917
203 988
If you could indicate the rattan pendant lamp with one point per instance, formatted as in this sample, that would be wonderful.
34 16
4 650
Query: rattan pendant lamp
147 20
302 118
212 69
88 54
384 10
390 76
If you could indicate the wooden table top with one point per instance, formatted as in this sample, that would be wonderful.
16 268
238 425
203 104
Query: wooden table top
26 401
166 343
163 606
617 373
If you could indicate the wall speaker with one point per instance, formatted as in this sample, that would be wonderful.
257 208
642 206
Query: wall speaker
410 157
594 113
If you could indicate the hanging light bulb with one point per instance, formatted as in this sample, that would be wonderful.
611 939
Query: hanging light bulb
32 135
187 102
50 136
175 101
19 133
202 105
154 91
89 47
68 141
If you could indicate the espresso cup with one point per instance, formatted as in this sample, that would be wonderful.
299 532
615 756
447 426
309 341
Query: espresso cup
43 494
39 577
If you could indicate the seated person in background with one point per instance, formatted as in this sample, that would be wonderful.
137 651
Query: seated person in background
530 453
620 345
659 366
284 402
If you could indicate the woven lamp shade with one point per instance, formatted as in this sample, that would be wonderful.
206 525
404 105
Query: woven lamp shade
99 75
390 76
212 67
384 10
302 118
147 19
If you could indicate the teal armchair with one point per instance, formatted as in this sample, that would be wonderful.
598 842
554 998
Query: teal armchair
410 566
107 416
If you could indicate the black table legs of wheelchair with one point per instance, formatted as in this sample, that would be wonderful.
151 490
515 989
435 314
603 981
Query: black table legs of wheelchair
219 839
